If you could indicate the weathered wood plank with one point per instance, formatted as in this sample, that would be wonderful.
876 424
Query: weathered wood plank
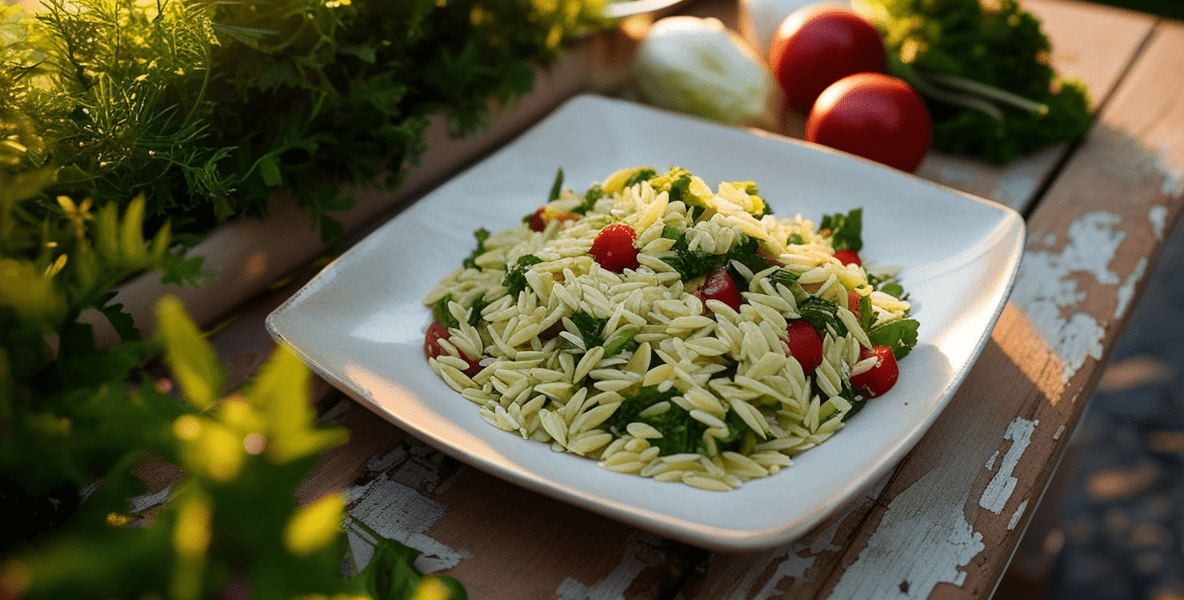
947 522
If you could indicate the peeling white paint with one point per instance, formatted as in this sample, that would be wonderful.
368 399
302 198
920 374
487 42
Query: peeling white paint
142 503
1046 288
991 461
1126 293
921 552
1001 486
1015 516
391 505
1158 215
1060 431
642 551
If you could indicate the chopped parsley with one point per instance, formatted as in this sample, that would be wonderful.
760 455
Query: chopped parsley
481 235
900 335
515 279
845 231
681 433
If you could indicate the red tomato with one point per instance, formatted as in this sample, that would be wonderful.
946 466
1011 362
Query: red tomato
848 256
818 45
875 116
613 248
853 299
719 286
433 349
545 214
882 376
805 345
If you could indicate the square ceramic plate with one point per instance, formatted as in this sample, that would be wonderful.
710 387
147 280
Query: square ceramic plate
360 323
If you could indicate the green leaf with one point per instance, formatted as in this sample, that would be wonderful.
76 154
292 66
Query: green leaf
822 315
443 315
123 322
591 329
269 170
845 230
191 359
900 335
623 342
515 279
281 392
481 235
557 186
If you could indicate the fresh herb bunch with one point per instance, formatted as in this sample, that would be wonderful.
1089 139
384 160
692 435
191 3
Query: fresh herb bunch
984 73
208 107
74 418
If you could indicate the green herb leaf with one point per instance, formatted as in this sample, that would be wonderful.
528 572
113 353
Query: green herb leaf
515 279
845 230
900 335
481 235
622 342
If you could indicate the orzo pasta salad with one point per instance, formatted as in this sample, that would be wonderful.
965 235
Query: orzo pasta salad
670 330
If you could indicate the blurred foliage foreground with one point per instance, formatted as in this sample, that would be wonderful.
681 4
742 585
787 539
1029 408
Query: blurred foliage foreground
128 129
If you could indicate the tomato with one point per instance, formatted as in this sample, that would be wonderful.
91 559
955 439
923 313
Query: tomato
853 298
875 116
545 214
848 256
613 248
818 45
805 345
882 376
719 286
432 347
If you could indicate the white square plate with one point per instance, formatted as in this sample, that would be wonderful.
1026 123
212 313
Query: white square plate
360 323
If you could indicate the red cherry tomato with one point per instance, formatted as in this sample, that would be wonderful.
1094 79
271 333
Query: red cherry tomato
719 286
881 377
546 213
613 248
848 256
433 349
875 116
853 299
805 345
818 45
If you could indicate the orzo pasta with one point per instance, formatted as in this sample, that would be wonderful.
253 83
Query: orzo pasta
670 330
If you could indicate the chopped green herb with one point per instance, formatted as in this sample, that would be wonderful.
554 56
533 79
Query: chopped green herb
823 315
481 235
640 176
900 335
593 194
515 279
440 309
557 187
623 342
794 239
784 276
591 328
845 230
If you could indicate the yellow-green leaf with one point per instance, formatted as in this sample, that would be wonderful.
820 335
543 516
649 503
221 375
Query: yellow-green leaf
192 360
280 392
315 526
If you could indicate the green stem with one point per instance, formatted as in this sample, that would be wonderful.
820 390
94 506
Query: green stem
985 91
926 88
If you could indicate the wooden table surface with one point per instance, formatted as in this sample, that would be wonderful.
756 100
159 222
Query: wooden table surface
945 522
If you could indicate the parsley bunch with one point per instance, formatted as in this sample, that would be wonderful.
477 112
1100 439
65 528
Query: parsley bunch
984 74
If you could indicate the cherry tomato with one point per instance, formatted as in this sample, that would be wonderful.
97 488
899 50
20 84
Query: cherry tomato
719 286
805 345
853 298
546 213
818 45
882 376
876 116
613 248
433 348
848 256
